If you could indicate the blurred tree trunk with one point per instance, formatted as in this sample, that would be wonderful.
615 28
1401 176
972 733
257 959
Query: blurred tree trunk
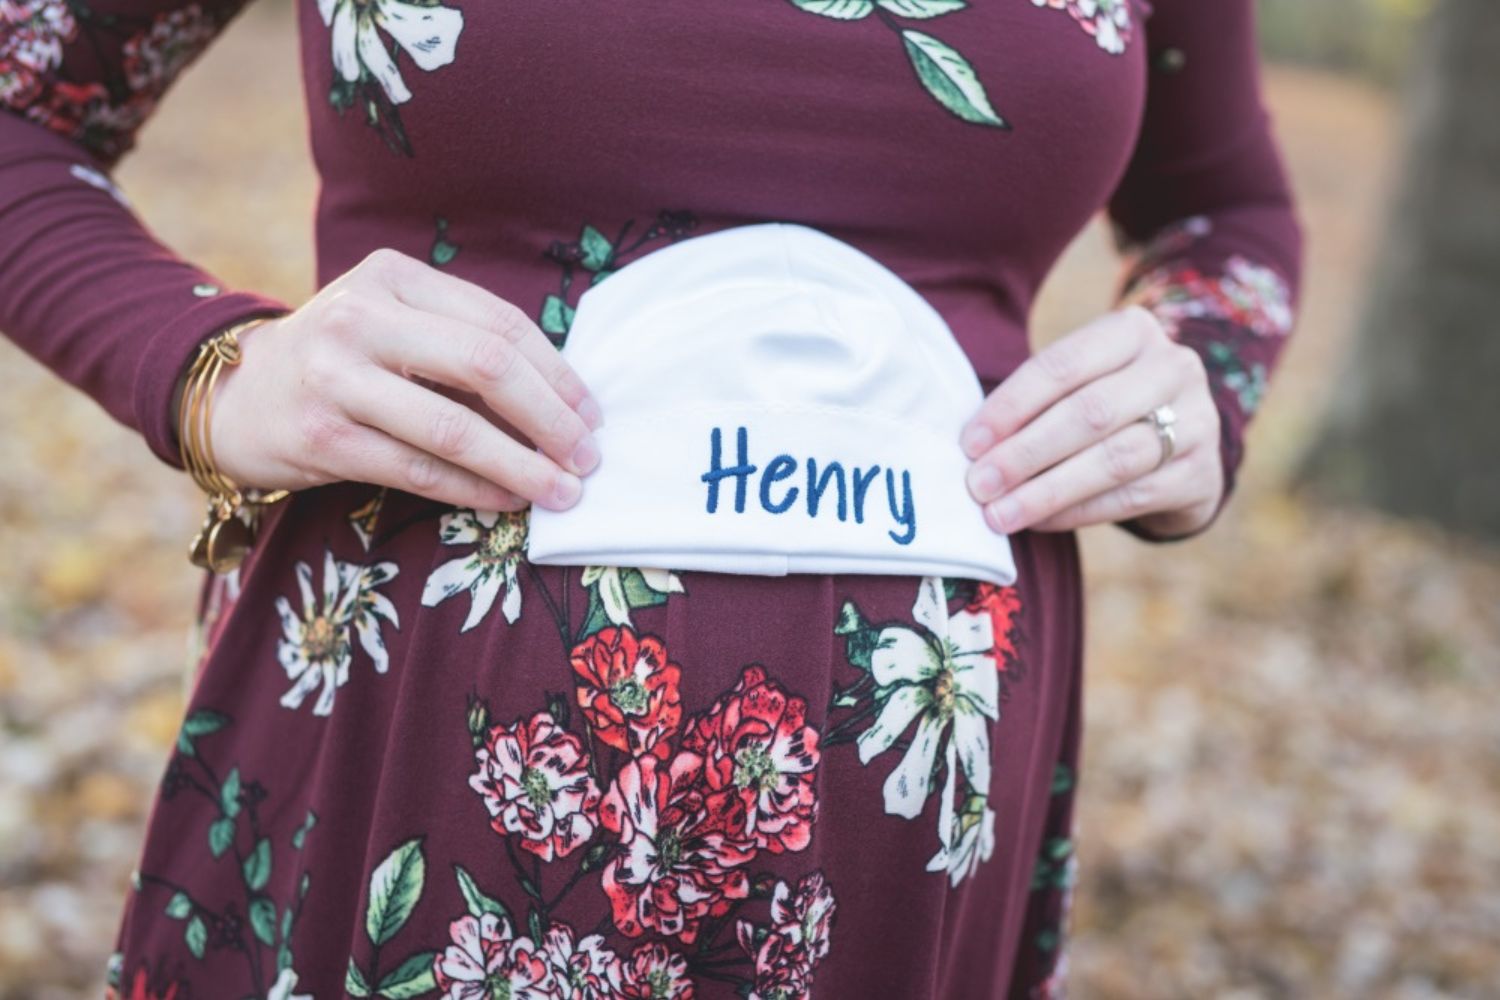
1414 425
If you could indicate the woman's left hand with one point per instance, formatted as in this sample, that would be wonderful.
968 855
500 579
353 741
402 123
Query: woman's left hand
1059 444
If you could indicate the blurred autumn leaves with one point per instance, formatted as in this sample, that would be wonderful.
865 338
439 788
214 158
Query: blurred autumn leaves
1291 779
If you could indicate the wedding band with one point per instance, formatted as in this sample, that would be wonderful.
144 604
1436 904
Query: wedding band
1162 418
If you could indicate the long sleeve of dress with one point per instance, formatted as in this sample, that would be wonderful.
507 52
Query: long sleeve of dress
1205 214
85 287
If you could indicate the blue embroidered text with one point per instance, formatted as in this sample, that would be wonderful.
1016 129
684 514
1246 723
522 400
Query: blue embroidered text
778 496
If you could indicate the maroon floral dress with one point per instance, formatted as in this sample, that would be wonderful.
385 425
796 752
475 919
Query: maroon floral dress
414 764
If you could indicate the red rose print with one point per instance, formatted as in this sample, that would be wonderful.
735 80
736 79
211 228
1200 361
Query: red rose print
674 866
654 972
787 952
1002 604
534 780
485 960
629 690
779 973
582 970
759 755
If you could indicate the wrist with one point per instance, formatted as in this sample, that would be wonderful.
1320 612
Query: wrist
179 388
226 536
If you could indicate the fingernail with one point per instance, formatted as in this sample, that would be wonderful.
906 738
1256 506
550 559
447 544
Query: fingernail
566 490
591 414
1003 514
984 482
976 440
585 456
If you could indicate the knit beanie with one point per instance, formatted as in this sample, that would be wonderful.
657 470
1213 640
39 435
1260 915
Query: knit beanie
775 401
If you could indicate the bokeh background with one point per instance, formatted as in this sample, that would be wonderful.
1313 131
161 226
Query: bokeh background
1291 784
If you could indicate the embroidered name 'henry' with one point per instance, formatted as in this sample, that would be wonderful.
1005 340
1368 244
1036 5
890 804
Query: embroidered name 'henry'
854 484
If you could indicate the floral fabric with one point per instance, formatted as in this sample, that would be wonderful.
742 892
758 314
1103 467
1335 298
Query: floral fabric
674 787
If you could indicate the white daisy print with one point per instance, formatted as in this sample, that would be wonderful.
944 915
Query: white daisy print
499 539
316 648
370 607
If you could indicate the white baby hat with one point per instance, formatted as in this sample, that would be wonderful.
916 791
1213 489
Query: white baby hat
775 401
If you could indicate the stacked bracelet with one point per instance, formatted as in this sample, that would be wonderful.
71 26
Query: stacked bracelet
233 514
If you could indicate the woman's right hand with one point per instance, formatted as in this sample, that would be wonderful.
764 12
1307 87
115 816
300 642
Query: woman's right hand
329 392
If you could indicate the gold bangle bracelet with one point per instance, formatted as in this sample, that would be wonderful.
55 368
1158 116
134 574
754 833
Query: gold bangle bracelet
233 514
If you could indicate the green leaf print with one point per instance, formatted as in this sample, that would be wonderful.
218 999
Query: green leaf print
1052 870
557 316
950 79
841 10
196 936
257 865
354 981
179 906
411 978
474 898
595 618
860 637
945 74
598 256
534 924
263 919
220 835
596 248
229 793
443 250
395 887
203 722
299 836
639 593
850 620
922 8
200 723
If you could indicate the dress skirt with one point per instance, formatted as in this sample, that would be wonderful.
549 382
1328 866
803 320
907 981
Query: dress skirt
414 764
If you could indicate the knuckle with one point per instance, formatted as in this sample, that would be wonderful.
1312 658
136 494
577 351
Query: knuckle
491 360
322 375
508 321
1058 361
565 429
1190 363
345 314
1095 410
383 263
423 473
1043 499
1137 494
533 479
568 384
451 429
1025 457
1119 458
321 429
1144 324
995 413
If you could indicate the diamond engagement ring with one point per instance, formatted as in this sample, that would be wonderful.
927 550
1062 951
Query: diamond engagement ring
1162 419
